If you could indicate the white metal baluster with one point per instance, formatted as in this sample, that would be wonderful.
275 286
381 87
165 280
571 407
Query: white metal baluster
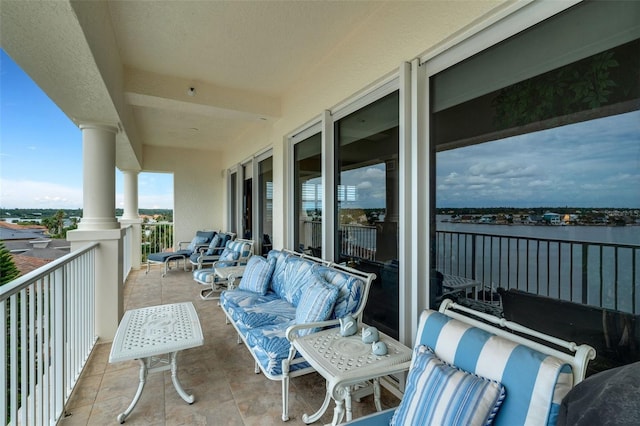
38 354
46 348
32 347
58 341
3 364
74 320
24 355
13 356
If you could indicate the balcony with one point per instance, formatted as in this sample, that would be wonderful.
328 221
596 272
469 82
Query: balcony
219 374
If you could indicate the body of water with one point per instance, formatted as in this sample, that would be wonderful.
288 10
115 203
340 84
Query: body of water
596 265
598 234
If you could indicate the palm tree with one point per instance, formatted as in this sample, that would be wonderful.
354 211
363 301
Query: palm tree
8 269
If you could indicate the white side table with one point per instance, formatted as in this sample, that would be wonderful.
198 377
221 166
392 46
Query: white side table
345 362
229 274
154 336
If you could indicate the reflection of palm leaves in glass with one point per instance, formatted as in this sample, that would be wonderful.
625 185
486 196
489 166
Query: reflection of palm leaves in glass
576 87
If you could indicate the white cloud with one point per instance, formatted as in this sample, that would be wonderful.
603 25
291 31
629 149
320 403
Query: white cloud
35 194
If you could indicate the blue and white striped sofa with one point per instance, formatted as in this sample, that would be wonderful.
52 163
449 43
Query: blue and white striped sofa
535 376
261 320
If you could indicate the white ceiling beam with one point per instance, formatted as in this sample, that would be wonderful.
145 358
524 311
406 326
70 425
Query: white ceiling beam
146 89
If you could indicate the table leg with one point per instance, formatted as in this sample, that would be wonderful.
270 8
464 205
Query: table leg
143 378
315 416
176 384
338 413
376 393
348 403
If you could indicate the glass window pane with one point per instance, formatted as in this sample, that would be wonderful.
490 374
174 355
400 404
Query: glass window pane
536 189
308 195
233 203
265 195
367 189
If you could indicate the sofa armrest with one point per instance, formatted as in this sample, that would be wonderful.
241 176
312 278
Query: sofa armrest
291 333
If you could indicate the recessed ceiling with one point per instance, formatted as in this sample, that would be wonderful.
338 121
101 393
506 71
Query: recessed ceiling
240 56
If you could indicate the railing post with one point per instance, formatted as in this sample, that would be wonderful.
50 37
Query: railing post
585 272
473 257
59 340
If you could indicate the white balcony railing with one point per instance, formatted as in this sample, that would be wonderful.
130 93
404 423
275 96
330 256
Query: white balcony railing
48 318
127 247
156 237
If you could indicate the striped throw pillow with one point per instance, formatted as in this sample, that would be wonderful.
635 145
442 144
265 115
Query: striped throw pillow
440 394
316 302
257 275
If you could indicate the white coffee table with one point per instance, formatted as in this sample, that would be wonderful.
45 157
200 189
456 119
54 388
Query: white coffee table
345 362
154 336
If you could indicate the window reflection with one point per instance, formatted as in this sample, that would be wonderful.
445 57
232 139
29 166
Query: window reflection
367 203
266 204
308 195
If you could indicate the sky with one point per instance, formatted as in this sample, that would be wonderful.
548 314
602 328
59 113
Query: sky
41 152
589 164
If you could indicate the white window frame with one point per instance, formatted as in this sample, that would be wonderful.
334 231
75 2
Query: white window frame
507 22
311 128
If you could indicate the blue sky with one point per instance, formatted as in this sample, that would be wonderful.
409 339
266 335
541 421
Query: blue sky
589 164
41 152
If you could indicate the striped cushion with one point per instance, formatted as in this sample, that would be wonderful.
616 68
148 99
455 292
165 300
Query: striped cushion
535 382
215 243
227 255
243 249
439 394
205 276
196 241
257 274
316 302
297 274
277 281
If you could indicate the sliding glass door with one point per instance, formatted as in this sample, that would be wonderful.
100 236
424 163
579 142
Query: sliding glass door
307 177
366 203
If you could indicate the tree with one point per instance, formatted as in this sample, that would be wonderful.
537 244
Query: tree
8 269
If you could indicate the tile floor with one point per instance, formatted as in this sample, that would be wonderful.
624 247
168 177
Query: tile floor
219 374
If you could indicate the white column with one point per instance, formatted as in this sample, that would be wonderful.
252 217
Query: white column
99 224
130 194
130 216
99 177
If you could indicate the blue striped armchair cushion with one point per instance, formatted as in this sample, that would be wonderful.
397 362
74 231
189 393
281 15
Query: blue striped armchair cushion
440 394
227 258
198 240
205 275
257 274
244 249
535 382
216 243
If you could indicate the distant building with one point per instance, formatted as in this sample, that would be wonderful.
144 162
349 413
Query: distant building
30 246
552 218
